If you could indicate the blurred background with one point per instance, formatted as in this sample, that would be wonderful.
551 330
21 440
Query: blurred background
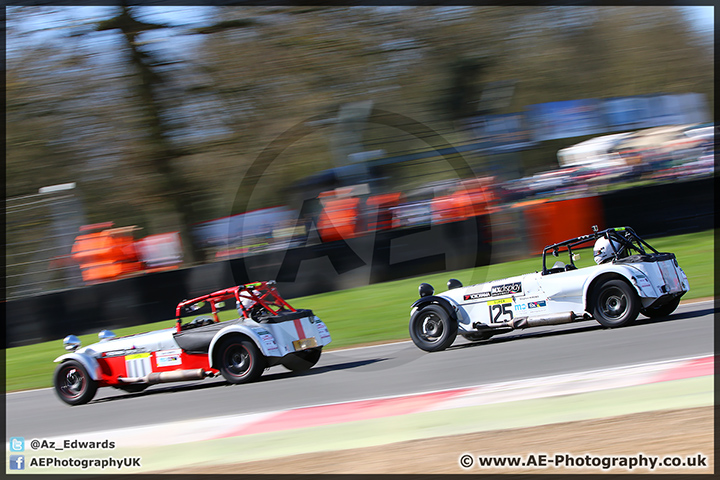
148 140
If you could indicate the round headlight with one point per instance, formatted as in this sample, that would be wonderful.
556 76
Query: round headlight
106 335
454 283
71 343
425 289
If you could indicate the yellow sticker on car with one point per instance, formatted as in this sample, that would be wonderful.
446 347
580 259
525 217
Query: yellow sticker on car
499 301
138 364
135 356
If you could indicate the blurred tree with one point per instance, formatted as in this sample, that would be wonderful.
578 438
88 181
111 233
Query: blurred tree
159 131
163 155
464 93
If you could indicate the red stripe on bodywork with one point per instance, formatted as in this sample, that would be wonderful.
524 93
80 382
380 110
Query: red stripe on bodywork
345 412
299 328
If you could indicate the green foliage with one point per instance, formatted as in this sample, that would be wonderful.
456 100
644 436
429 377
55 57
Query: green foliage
380 312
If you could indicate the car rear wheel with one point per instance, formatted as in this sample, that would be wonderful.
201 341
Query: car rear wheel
73 383
432 329
662 310
615 304
301 361
239 360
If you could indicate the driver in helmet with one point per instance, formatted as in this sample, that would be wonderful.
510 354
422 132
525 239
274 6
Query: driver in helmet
246 302
604 250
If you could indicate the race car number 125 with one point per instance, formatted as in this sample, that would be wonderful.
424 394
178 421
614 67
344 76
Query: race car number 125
498 308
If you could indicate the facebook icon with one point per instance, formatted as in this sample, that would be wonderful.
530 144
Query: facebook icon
17 462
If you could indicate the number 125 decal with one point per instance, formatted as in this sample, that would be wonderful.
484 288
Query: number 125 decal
500 308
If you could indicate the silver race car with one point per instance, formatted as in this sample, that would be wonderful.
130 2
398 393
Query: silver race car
630 277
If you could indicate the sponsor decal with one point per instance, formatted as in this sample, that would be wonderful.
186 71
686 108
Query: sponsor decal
122 353
137 356
524 306
499 301
475 296
167 358
322 329
174 351
269 341
507 289
540 304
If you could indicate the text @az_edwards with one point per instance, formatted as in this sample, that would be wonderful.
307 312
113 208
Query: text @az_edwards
587 461
41 444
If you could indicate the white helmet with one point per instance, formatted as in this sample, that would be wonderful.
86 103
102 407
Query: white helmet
603 250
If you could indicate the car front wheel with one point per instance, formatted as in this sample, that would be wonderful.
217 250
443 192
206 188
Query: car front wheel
239 360
615 304
432 329
73 383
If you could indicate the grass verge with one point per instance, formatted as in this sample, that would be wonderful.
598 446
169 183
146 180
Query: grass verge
376 313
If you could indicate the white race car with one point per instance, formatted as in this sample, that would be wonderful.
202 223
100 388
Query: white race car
630 277
263 330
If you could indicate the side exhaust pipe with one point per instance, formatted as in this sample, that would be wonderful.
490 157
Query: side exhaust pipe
556 319
166 377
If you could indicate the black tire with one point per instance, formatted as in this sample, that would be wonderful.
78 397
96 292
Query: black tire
239 360
615 304
133 388
73 383
301 361
432 329
662 310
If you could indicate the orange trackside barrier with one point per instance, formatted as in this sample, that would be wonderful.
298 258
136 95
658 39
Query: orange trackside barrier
442 209
463 203
451 208
106 254
96 272
549 222
384 219
480 191
338 219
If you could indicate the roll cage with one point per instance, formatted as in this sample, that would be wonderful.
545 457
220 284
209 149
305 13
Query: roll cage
626 237
261 295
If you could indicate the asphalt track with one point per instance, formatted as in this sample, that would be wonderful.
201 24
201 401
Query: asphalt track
371 372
